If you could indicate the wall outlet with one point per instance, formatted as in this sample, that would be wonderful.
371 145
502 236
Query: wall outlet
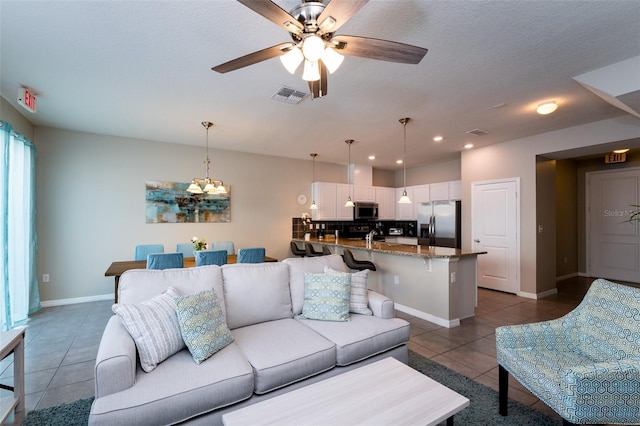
396 279
45 278
453 277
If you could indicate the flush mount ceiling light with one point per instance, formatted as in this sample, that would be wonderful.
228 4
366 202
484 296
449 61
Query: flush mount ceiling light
468 146
349 203
547 108
405 198
313 205
211 186
312 26
621 151
372 157
438 138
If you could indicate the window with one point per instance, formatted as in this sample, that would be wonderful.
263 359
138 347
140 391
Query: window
18 280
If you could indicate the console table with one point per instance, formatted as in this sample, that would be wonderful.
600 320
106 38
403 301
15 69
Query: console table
12 341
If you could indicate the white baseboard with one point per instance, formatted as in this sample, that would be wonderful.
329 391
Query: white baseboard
425 316
536 296
73 301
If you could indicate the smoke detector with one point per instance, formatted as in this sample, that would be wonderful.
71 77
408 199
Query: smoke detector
478 132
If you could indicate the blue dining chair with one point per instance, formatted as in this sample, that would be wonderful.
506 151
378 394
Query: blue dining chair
143 250
211 257
186 249
164 260
223 245
251 255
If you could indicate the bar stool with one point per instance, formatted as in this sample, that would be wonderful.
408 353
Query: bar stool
357 264
325 250
297 251
310 251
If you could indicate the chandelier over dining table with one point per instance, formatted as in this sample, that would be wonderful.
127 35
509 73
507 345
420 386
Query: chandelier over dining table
206 185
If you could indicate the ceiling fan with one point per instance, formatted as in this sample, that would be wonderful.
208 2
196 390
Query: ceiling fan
312 25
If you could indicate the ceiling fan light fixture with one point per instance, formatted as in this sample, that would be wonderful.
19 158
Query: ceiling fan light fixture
292 59
311 71
332 59
312 48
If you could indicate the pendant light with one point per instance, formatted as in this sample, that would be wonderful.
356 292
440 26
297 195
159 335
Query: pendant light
211 186
349 203
313 205
405 198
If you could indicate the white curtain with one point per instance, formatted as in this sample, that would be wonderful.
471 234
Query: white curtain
19 295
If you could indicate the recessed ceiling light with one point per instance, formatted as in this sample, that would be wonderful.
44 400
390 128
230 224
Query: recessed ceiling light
621 151
372 157
547 108
438 138
398 161
468 146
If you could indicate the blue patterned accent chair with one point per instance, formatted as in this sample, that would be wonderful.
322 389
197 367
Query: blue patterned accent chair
584 365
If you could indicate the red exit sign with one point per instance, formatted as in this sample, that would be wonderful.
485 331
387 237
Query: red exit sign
615 157
27 99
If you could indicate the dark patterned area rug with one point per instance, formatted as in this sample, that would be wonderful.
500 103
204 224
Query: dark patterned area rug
483 409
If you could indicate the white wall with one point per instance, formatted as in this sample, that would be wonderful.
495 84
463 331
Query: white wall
517 158
91 203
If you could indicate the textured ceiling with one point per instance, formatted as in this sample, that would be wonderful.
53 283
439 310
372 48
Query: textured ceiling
142 69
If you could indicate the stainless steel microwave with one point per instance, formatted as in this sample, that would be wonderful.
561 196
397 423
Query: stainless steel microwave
365 211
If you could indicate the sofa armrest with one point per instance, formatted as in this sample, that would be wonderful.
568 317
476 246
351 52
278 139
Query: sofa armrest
115 368
548 335
381 305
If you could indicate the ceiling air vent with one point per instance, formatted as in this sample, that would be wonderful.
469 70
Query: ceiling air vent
289 95
478 132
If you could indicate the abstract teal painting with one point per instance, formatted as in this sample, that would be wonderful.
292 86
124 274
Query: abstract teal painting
169 202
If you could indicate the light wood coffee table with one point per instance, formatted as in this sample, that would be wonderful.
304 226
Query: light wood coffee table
386 392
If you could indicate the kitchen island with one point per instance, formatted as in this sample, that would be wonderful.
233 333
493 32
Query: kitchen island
437 284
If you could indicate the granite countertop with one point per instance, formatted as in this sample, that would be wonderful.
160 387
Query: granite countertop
393 248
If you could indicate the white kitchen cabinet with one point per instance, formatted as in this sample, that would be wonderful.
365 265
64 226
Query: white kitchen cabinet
324 194
439 191
405 211
342 194
386 199
455 190
364 193
421 193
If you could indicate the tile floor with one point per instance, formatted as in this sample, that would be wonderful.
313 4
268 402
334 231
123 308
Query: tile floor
61 343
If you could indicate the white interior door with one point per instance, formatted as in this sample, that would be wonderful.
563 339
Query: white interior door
613 243
494 229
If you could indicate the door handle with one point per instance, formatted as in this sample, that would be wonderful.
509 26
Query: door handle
476 241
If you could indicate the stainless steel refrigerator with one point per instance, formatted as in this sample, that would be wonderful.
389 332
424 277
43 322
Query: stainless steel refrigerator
439 224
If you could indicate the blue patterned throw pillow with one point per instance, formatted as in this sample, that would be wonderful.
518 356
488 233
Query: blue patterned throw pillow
326 296
203 326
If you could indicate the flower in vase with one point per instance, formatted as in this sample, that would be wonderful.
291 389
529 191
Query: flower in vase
199 244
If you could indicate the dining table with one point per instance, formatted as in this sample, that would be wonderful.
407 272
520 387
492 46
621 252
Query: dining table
117 268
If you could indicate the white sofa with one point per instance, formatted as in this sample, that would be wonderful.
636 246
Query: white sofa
273 351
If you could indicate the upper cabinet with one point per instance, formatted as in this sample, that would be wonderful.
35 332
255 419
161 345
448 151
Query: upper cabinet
439 191
455 190
342 194
324 194
364 193
405 211
386 199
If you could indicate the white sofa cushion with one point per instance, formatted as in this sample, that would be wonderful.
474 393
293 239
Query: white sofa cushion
283 352
362 337
178 389
297 268
256 292
138 285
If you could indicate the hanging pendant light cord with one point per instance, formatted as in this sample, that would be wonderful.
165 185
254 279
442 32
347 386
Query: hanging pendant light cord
404 160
